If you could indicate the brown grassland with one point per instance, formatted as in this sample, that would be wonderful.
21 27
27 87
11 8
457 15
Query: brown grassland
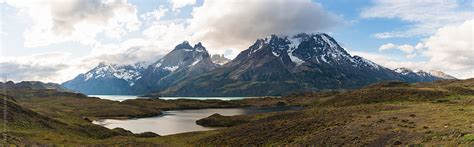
389 113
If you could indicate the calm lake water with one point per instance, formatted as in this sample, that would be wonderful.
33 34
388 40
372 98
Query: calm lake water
126 97
180 121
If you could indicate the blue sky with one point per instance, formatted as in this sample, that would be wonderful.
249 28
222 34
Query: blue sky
52 40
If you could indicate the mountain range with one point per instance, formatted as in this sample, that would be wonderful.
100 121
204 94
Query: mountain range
275 65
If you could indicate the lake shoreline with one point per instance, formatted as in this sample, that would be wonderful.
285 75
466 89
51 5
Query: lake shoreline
215 104
121 98
184 120
167 105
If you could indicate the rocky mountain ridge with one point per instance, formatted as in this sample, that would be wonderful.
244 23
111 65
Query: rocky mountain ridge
274 65
183 61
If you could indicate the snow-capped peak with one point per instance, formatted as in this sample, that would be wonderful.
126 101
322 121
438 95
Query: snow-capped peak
183 56
421 73
440 74
199 48
184 45
129 73
362 62
257 46
318 48
407 71
329 41
403 71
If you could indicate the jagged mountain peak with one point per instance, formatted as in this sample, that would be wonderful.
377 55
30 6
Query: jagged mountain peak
403 70
295 40
273 65
182 61
407 71
102 64
112 66
200 48
107 78
184 45
106 65
316 48
102 68
184 56
199 45
129 73
277 65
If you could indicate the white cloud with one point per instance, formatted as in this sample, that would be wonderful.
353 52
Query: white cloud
450 49
59 67
387 47
406 48
384 35
154 15
128 52
420 46
426 15
412 55
172 32
43 67
75 20
236 24
167 35
391 62
177 4
223 27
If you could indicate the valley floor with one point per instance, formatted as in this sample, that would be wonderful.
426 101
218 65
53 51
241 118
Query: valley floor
439 113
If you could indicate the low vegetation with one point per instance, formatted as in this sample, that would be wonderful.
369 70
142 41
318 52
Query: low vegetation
50 116
392 113
217 120
200 104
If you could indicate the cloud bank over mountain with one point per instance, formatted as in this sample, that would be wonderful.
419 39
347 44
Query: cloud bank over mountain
214 22
123 32
236 24
450 49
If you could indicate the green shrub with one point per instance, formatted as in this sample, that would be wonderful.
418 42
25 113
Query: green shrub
469 137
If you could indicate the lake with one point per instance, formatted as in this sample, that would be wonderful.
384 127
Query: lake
180 121
126 97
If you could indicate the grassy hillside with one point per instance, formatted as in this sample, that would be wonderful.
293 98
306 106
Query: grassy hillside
391 113
381 114
49 116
